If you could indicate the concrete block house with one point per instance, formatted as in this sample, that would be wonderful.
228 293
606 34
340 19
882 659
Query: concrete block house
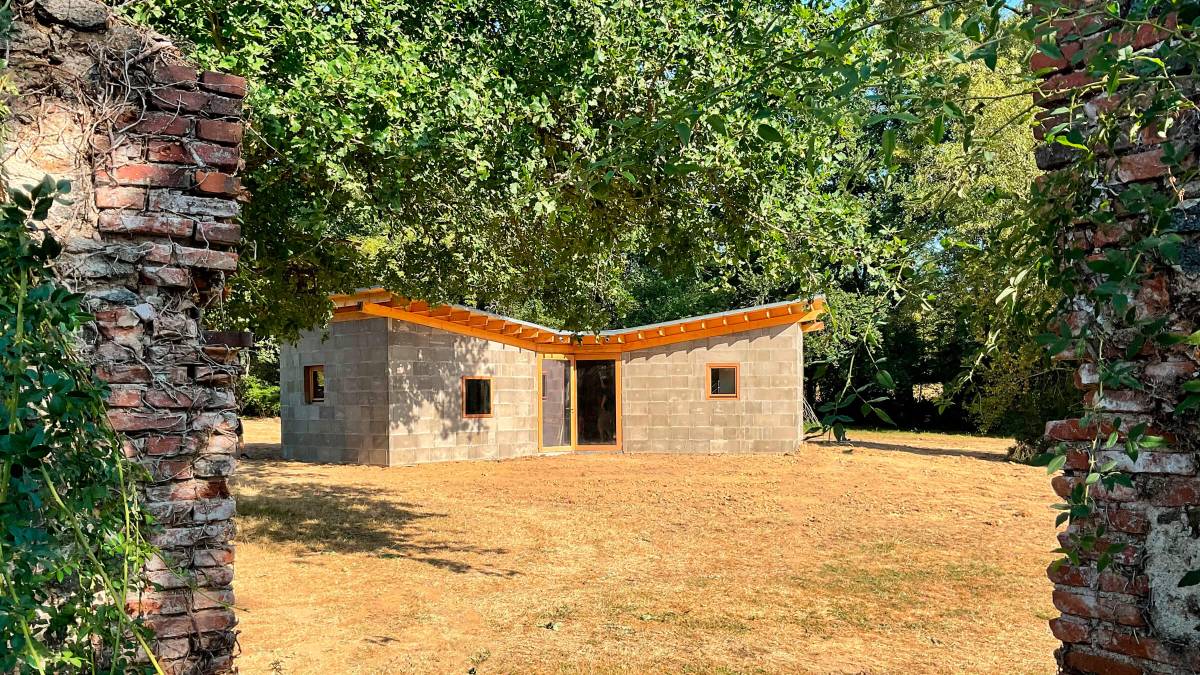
397 381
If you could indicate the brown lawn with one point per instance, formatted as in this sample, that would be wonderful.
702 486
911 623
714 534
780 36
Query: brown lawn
902 553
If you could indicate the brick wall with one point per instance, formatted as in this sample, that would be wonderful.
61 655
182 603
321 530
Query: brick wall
665 404
151 147
1132 617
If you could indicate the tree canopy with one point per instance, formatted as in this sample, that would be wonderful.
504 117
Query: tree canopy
599 164
526 156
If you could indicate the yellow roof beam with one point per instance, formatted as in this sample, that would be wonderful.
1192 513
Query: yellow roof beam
465 321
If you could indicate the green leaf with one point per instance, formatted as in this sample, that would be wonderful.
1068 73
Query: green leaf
884 378
50 247
1050 49
46 187
883 416
769 133
1056 464
889 145
1122 479
971 29
1190 579
1152 441
988 54
1190 402
681 169
1043 459
684 132
21 199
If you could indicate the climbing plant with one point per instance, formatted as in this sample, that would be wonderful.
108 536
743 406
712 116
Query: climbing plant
1109 311
71 542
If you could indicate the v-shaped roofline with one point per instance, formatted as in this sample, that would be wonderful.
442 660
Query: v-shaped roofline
379 302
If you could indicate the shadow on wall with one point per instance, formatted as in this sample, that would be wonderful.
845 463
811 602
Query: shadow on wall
343 519
427 367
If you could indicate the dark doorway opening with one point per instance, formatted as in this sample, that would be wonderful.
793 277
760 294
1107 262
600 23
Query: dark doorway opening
596 393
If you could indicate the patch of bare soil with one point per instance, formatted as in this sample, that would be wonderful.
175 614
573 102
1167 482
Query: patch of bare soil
899 553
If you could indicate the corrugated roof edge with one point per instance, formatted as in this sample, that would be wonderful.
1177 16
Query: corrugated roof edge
820 297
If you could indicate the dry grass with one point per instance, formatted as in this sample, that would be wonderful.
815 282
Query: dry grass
899 554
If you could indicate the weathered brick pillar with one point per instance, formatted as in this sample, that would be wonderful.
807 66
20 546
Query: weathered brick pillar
1132 617
150 147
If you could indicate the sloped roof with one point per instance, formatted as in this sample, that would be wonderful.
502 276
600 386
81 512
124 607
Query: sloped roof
378 302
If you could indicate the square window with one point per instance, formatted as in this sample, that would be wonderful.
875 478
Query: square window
314 384
477 397
722 380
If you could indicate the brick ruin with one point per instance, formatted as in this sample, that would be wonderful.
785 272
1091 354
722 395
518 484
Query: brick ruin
1132 617
151 147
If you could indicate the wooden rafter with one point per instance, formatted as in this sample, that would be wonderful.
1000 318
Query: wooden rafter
479 324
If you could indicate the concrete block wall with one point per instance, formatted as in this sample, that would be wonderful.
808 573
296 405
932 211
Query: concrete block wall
150 146
393 395
664 402
351 425
426 367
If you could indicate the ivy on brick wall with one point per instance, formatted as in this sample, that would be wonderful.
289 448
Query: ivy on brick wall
71 546
1111 229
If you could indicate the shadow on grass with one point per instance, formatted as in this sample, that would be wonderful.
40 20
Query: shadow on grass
323 518
916 450
261 451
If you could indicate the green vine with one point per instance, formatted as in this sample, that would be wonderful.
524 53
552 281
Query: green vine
72 546
1106 317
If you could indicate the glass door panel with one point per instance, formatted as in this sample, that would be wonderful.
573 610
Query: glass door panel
596 393
556 404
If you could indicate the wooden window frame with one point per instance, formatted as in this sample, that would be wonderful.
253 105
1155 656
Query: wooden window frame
737 382
309 397
491 399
